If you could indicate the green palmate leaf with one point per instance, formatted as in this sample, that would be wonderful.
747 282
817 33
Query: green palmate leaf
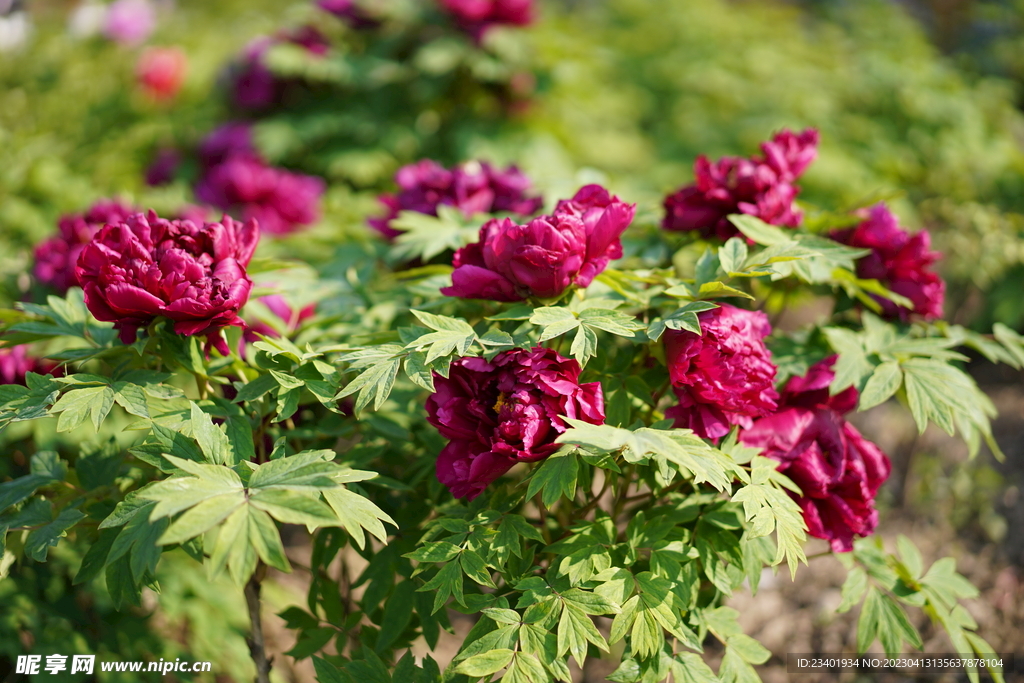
424 236
733 254
769 508
883 618
256 388
852 366
449 335
556 321
680 446
213 442
555 477
40 540
486 663
373 384
138 538
77 405
356 514
722 622
684 318
688 667
854 587
575 630
882 385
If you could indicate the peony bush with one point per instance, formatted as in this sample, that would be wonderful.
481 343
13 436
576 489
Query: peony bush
583 421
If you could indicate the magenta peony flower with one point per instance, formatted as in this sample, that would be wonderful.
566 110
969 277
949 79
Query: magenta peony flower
15 363
235 178
900 261
722 377
837 469
505 411
472 187
254 86
193 274
279 200
543 258
56 257
477 16
129 22
761 187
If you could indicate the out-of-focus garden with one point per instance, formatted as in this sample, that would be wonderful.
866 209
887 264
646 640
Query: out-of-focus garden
149 103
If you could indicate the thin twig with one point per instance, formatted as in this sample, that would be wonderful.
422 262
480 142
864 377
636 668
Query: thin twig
257 648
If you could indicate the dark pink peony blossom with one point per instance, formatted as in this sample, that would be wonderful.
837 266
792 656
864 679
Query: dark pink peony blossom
472 187
56 257
505 411
724 376
838 471
543 258
254 86
900 261
15 363
129 22
235 178
477 16
193 274
760 186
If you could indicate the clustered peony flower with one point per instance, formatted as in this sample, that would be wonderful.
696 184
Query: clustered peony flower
723 376
15 363
512 262
129 22
505 411
900 261
838 471
477 16
472 187
161 71
56 257
235 178
760 186
253 85
191 273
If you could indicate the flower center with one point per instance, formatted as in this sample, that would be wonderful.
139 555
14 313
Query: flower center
501 402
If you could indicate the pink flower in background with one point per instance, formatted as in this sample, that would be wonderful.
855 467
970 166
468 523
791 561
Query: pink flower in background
56 257
164 167
254 86
352 12
281 201
760 186
838 471
145 267
235 178
505 411
161 71
477 16
512 262
279 306
900 261
129 22
15 363
472 187
723 376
